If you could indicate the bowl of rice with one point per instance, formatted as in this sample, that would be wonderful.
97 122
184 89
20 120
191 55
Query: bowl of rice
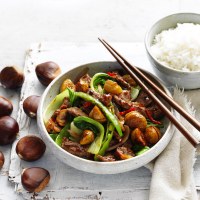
173 48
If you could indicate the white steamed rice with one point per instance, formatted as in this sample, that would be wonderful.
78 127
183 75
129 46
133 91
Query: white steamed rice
179 48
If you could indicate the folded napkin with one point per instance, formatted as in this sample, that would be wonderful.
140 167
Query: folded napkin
172 170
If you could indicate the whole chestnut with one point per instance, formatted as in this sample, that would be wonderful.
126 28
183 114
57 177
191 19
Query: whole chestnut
8 130
6 106
35 179
30 148
11 77
1 159
47 71
134 119
30 105
152 134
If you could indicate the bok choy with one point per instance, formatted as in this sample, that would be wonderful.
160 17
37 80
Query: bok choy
84 123
98 80
54 105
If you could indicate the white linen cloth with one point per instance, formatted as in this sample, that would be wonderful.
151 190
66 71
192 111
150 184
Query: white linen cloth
172 170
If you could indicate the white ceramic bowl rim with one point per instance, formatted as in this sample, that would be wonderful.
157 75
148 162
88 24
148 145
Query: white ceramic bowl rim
148 46
113 164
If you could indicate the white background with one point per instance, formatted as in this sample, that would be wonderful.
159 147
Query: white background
23 22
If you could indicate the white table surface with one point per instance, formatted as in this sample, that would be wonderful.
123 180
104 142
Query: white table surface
23 22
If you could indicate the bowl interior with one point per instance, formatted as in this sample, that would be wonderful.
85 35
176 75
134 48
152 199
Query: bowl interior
87 165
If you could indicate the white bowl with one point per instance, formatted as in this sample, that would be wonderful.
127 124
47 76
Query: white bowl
187 80
87 165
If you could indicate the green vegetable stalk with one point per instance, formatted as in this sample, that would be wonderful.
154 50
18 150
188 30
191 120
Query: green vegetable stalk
53 136
143 150
72 96
106 141
98 79
84 123
54 105
63 133
135 92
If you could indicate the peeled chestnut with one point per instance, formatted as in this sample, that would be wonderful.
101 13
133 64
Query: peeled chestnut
11 77
30 105
134 119
152 134
1 159
87 137
6 106
137 137
47 71
30 148
8 130
35 179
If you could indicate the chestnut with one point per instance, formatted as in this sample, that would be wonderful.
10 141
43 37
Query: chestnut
35 179
30 105
11 77
8 130
6 106
134 119
137 137
87 137
152 135
67 83
47 71
1 159
30 148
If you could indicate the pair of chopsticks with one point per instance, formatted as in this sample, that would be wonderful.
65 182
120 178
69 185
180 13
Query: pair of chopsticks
138 76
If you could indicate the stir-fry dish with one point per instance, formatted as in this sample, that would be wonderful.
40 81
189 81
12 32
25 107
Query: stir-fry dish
107 117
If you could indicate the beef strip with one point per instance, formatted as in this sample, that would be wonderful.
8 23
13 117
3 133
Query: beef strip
124 99
106 158
148 103
140 108
65 103
129 79
121 102
122 81
103 98
75 148
125 95
75 111
124 153
156 111
106 99
144 99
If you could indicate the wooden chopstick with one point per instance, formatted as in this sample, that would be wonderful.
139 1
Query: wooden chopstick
170 101
130 69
